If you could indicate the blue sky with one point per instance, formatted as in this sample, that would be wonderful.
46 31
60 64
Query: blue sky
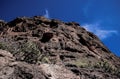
102 17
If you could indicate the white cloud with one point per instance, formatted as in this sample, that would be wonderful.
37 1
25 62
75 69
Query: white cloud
47 13
102 34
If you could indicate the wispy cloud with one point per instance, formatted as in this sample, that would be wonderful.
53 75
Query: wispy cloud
101 33
47 13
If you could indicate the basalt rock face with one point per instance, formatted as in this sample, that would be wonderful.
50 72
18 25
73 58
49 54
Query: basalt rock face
41 48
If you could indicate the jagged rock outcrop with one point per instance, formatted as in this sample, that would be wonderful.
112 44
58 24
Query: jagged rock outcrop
11 69
41 48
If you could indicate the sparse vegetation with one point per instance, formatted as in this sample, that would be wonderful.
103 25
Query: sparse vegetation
107 68
45 60
83 63
32 54
2 46
103 65
27 51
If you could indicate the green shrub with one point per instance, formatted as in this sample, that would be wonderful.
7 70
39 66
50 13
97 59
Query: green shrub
2 46
105 66
32 54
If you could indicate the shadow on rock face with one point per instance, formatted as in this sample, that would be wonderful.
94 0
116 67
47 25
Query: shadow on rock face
46 37
14 22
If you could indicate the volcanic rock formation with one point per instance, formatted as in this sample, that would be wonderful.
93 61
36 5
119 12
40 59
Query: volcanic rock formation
41 48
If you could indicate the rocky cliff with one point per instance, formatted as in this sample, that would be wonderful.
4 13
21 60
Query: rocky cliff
41 48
